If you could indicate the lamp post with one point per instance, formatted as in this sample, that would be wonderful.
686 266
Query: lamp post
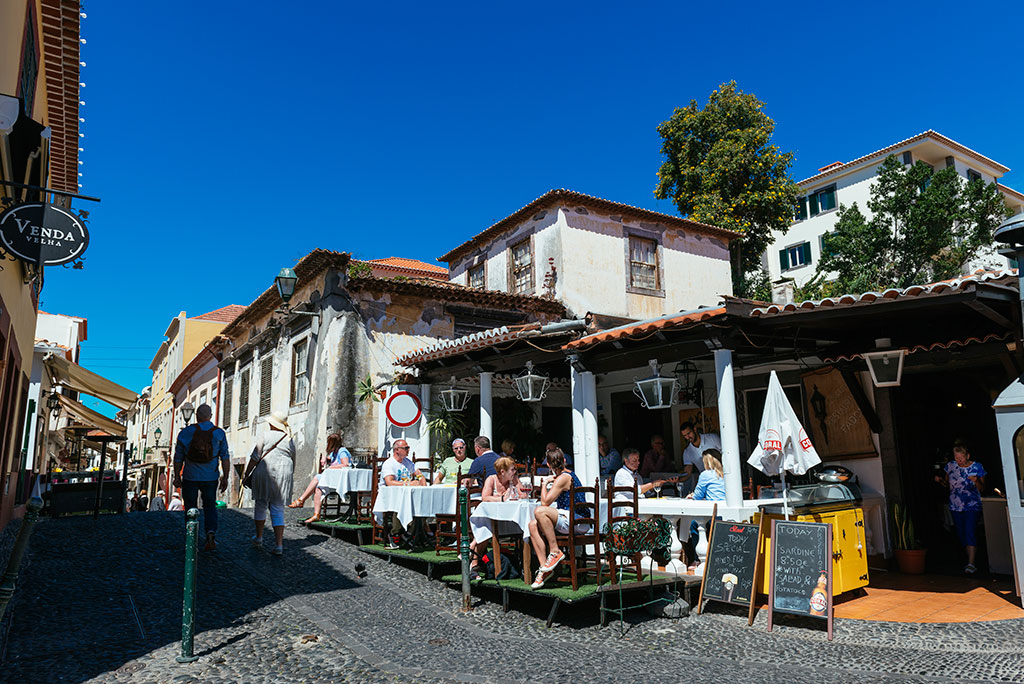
187 410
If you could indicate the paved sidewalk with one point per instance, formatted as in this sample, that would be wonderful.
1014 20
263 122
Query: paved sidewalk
100 601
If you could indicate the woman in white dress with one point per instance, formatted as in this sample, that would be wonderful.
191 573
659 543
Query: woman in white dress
272 478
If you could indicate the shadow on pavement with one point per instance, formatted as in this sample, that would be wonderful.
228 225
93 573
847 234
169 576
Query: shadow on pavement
96 594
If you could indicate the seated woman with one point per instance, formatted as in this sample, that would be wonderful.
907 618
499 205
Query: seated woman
336 456
553 515
710 487
504 484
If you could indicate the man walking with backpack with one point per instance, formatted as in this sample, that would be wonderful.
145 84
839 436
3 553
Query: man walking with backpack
200 449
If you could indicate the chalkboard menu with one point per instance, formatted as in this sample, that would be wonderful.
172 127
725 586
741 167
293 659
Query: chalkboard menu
801 570
732 562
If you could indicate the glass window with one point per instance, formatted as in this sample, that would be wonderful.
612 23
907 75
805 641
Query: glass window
822 200
476 277
973 175
643 263
300 381
522 267
795 256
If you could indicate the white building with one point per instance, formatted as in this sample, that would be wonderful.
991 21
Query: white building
795 254
598 256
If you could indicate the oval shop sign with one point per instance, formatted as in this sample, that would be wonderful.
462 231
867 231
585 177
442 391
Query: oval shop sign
43 234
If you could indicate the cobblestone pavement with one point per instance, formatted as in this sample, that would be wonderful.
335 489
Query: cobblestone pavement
100 601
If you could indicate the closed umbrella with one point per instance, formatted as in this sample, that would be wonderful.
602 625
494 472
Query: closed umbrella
782 442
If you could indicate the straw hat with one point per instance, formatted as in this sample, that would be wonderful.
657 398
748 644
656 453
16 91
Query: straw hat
279 420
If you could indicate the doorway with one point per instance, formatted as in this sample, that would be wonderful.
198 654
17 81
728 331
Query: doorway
633 425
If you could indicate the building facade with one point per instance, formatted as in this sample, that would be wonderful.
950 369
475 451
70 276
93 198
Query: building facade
598 256
796 254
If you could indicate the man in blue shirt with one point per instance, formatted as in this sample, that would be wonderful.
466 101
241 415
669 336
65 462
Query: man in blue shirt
483 464
200 449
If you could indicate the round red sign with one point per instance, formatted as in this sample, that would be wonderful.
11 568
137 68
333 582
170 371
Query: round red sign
403 409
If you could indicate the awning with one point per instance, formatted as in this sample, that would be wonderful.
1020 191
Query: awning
74 377
90 417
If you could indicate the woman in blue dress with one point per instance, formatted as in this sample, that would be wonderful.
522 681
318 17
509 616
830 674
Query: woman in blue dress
965 478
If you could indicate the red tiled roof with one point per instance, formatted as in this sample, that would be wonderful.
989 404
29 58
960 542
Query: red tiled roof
223 315
415 265
833 169
887 295
572 198
459 345
647 327
931 347
448 291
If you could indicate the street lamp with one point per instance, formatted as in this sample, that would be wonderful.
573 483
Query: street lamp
187 409
453 399
286 280
157 433
53 403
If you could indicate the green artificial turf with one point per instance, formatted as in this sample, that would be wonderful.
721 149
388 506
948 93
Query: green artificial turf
425 556
554 589
340 525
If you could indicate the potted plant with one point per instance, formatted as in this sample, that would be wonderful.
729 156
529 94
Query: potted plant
909 555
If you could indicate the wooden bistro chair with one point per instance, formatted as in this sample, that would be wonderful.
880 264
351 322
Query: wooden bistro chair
619 513
425 464
586 514
449 527
365 499
380 534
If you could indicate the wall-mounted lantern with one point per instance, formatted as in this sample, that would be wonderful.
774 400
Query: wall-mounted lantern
885 365
657 391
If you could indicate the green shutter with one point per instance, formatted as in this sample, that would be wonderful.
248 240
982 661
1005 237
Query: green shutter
783 259
806 248
813 199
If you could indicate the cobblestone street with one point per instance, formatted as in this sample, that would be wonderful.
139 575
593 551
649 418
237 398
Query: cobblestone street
100 601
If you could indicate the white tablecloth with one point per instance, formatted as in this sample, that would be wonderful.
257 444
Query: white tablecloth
345 480
415 502
514 516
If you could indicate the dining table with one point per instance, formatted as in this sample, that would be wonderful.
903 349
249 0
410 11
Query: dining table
414 502
491 519
346 481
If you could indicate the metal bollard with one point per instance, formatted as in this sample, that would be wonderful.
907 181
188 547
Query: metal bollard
188 611
10 577
467 599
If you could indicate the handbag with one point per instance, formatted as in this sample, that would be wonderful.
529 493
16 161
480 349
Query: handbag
253 462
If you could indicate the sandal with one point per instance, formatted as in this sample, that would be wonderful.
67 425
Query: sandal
298 503
312 519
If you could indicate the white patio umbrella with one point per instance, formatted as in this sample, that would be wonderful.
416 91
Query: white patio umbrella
782 442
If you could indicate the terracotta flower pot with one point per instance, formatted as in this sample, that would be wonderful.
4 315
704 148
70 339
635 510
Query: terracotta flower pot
911 561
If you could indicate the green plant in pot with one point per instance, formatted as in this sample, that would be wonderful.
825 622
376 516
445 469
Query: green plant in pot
909 555
445 426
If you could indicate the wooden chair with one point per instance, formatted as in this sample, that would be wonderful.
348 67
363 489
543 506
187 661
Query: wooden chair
425 464
618 512
365 499
586 514
380 534
449 527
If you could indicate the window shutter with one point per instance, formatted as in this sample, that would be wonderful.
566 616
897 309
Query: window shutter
243 397
950 163
784 259
813 200
806 249
908 158
225 414
266 380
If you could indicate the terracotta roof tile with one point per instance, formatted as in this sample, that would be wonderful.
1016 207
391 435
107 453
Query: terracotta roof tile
223 315
647 327
402 263
967 341
453 291
480 340
573 198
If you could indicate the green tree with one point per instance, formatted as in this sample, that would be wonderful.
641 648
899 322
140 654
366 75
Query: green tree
925 226
721 168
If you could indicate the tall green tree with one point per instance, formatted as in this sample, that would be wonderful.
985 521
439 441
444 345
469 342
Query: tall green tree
721 168
925 226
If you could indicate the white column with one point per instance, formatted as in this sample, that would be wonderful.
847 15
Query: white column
728 427
592 460
578 438
383 426
486 424
424 421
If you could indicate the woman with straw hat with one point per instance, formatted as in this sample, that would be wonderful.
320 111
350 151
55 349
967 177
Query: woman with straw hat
271 463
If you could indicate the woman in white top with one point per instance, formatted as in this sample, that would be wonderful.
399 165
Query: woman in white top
272 478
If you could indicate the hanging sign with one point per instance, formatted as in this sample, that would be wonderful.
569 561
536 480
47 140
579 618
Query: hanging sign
403 409
44 234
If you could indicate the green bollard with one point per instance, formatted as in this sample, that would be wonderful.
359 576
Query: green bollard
467 599
188 611
10 577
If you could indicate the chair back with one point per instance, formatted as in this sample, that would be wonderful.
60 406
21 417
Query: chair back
622 510
586 511
425 464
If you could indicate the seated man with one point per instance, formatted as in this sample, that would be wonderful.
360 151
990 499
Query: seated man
656 460
483 465
399 471
448 471
693 454
608 456
628 474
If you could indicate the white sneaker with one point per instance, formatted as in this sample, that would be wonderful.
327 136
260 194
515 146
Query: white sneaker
278 551
257 542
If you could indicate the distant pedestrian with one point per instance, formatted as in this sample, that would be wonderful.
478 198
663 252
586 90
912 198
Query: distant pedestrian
157 504
143 502
272 463
200 449
133 505
175 504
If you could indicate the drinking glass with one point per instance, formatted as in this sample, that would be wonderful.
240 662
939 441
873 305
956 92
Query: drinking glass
513 494
657 491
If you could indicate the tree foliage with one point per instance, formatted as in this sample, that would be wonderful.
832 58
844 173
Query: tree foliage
721 168
925 226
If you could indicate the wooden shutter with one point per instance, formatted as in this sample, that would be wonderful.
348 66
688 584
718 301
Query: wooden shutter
806 249
266 381
813 200
225 414
243 398
783 259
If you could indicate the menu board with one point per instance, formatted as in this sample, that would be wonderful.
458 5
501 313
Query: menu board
801 570
732 562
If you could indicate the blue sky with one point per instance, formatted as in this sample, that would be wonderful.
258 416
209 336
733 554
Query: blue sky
227 139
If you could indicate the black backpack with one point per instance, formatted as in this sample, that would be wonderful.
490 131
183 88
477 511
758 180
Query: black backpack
201 448
508 570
